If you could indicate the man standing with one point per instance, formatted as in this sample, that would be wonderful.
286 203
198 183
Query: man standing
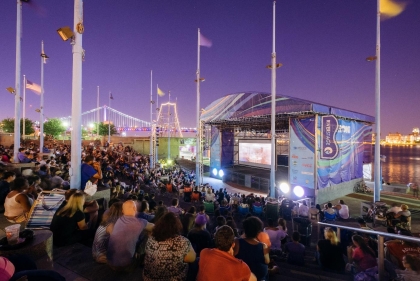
124 236
222 261
89 169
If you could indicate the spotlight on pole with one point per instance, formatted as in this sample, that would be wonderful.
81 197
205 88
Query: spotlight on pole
201 80
371 58
11 90
65 33
277 65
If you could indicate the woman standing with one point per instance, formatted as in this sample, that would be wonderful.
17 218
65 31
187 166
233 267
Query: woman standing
17 204
167 251
67 222
251 251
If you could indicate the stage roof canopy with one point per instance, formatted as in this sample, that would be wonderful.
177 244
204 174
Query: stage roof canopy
248 110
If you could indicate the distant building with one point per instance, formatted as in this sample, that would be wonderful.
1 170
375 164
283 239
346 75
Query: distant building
394 138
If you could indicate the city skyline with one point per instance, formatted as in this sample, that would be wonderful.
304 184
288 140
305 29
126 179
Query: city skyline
321 44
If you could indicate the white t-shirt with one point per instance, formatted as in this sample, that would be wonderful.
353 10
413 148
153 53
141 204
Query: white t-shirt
303 210
344 212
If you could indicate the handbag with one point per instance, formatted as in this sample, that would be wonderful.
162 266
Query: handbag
90 189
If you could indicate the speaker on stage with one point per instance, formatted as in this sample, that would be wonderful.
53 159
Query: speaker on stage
272 211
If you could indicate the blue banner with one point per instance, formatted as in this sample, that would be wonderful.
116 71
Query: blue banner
301 153
329 127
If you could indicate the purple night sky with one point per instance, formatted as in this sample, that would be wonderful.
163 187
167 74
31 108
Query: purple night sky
322 45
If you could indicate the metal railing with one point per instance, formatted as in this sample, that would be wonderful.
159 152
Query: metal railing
380 235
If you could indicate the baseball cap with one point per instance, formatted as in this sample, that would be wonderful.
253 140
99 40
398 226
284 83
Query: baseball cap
201 220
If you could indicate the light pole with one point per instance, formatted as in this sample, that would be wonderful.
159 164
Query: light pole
17 81
44 58
76 106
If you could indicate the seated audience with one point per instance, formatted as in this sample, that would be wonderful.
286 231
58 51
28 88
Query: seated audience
303 210
222 261
7 178
412 268
17 203
405 218
329 252
167 251
100 242
342 210
124 238
199 237
361 254
329 212
68 222
295 250
175 208
276 235
251 251
187 221
395 250
144 212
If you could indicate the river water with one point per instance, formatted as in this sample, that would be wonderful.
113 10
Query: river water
402 164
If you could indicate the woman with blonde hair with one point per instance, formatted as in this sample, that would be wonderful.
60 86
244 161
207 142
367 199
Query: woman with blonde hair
329 252
100 242
67 222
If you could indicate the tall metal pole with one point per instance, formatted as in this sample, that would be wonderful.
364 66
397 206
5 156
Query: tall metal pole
76 106
97 113
41 112
17 82
169 126
24 107
273 109
197 147
378 180
109 119
152 160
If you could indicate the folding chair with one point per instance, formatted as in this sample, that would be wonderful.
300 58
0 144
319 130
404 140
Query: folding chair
258 211
243 211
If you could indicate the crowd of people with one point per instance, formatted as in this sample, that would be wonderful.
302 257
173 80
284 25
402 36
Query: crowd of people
143 226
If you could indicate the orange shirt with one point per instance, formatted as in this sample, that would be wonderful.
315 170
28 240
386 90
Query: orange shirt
264 238
216 265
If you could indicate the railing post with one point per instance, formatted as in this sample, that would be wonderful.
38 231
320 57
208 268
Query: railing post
381 257
339 234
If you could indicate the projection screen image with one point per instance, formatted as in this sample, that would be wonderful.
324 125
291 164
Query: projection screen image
255 153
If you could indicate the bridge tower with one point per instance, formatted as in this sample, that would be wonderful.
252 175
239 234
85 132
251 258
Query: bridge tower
167 121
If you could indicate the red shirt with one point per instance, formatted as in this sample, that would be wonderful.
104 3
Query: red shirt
398 250
364 261
216 265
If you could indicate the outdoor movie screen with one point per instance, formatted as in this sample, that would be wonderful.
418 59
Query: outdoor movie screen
255 153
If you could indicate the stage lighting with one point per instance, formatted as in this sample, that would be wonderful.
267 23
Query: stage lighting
65 33
298 191
284 187
221 173
214 172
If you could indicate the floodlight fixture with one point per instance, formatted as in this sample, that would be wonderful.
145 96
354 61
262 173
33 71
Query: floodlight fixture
284 187
11 90
298 191
201 80
38 110
221 173
65 33
214 172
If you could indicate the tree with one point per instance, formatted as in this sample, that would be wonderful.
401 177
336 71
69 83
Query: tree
54 127
8 126
103 129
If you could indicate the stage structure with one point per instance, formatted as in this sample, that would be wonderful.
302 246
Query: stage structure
324 147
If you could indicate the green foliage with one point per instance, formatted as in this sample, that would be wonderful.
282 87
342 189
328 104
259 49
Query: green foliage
54 127
103 129
8 126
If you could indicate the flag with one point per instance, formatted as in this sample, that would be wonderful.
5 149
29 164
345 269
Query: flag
391 8
110 96
33 87
204 41
160 92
